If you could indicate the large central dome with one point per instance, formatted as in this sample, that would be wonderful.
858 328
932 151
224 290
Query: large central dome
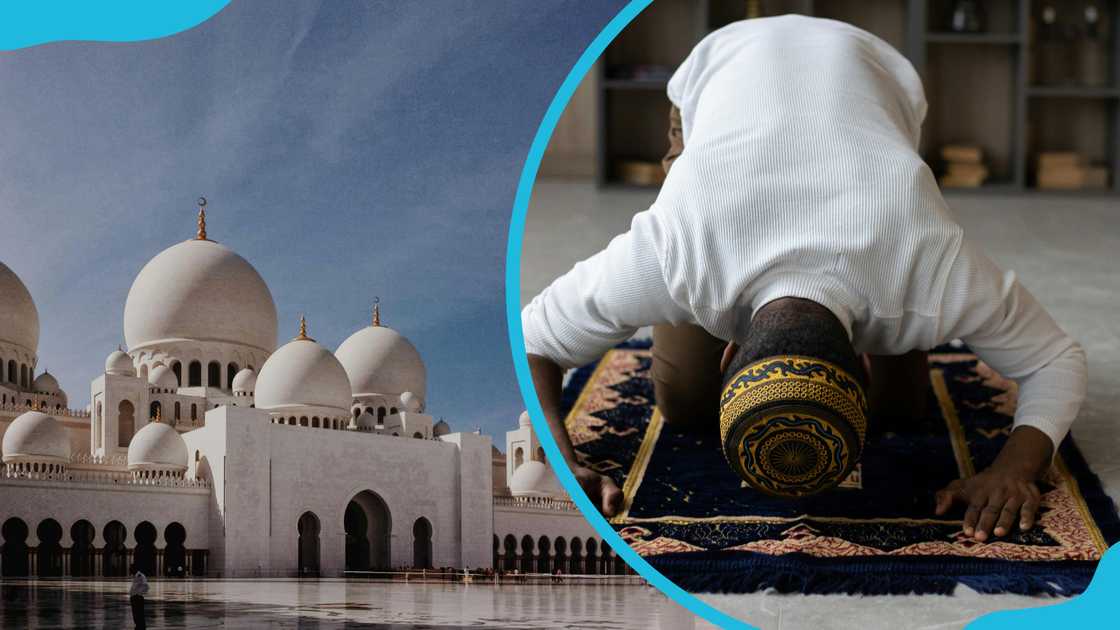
200 290
19 319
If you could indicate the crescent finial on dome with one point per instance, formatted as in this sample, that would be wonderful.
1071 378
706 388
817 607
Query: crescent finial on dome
201 236
376 311
303 330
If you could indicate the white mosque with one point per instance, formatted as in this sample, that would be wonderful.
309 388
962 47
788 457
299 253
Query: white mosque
208 450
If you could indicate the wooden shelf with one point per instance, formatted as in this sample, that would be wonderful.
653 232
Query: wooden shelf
979 85
635 84
974 38
1072 91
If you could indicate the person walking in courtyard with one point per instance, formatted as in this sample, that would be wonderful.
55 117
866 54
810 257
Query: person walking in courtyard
136 593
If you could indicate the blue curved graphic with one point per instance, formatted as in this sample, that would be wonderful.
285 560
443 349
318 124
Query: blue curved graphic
517 339
34 22
1095 608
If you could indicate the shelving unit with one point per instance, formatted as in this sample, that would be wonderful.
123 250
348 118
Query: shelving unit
979 85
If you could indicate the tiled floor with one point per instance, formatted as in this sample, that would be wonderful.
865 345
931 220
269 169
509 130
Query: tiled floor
1065 250
338 604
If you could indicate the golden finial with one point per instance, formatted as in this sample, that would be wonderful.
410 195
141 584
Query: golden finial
376 311
754 9
303 330
201 236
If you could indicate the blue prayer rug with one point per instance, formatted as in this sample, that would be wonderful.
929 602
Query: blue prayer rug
695 521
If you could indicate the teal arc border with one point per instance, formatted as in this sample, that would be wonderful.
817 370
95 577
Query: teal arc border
1087 608
517 339
25 23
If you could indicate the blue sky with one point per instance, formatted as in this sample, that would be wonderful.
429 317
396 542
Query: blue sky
348 149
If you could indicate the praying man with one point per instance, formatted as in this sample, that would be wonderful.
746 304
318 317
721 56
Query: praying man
795 267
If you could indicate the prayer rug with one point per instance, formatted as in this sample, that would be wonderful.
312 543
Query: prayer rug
696 522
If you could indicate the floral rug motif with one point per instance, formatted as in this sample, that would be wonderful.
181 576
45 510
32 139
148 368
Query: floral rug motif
694 520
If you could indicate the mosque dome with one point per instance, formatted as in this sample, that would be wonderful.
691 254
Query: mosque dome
45 383
35 437
441 428
411 403
19 319
380 360
199 290
301 373
535 479
162 377
157 447
245 381
120 364
523 420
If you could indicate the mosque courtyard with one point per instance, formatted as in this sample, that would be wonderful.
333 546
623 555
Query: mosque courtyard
330 604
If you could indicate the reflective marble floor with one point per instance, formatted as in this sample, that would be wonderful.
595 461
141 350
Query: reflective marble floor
337 604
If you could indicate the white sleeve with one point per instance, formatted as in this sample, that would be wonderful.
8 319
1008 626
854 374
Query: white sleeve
1009 330
602 301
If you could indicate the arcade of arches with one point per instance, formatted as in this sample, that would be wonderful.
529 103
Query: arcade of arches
572 556
80 556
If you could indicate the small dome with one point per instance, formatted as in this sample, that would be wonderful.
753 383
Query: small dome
245 381
524 420
200 290
163 378
157 447
45 383
36 437
120 364
411 403
379 360
302 374
441 428
535 479
19 319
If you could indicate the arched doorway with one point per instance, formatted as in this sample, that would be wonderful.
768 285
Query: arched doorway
49 550
544 563
155 410
368 525
114 561
214 374
126 423
308 544
560 557
194 374
81 550
13 554
576 565
174 553
422 544
591 560
526 554
231 371
510 545
144 556
177 369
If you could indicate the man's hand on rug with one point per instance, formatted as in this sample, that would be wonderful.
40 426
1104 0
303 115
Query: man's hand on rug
601 489
996 498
